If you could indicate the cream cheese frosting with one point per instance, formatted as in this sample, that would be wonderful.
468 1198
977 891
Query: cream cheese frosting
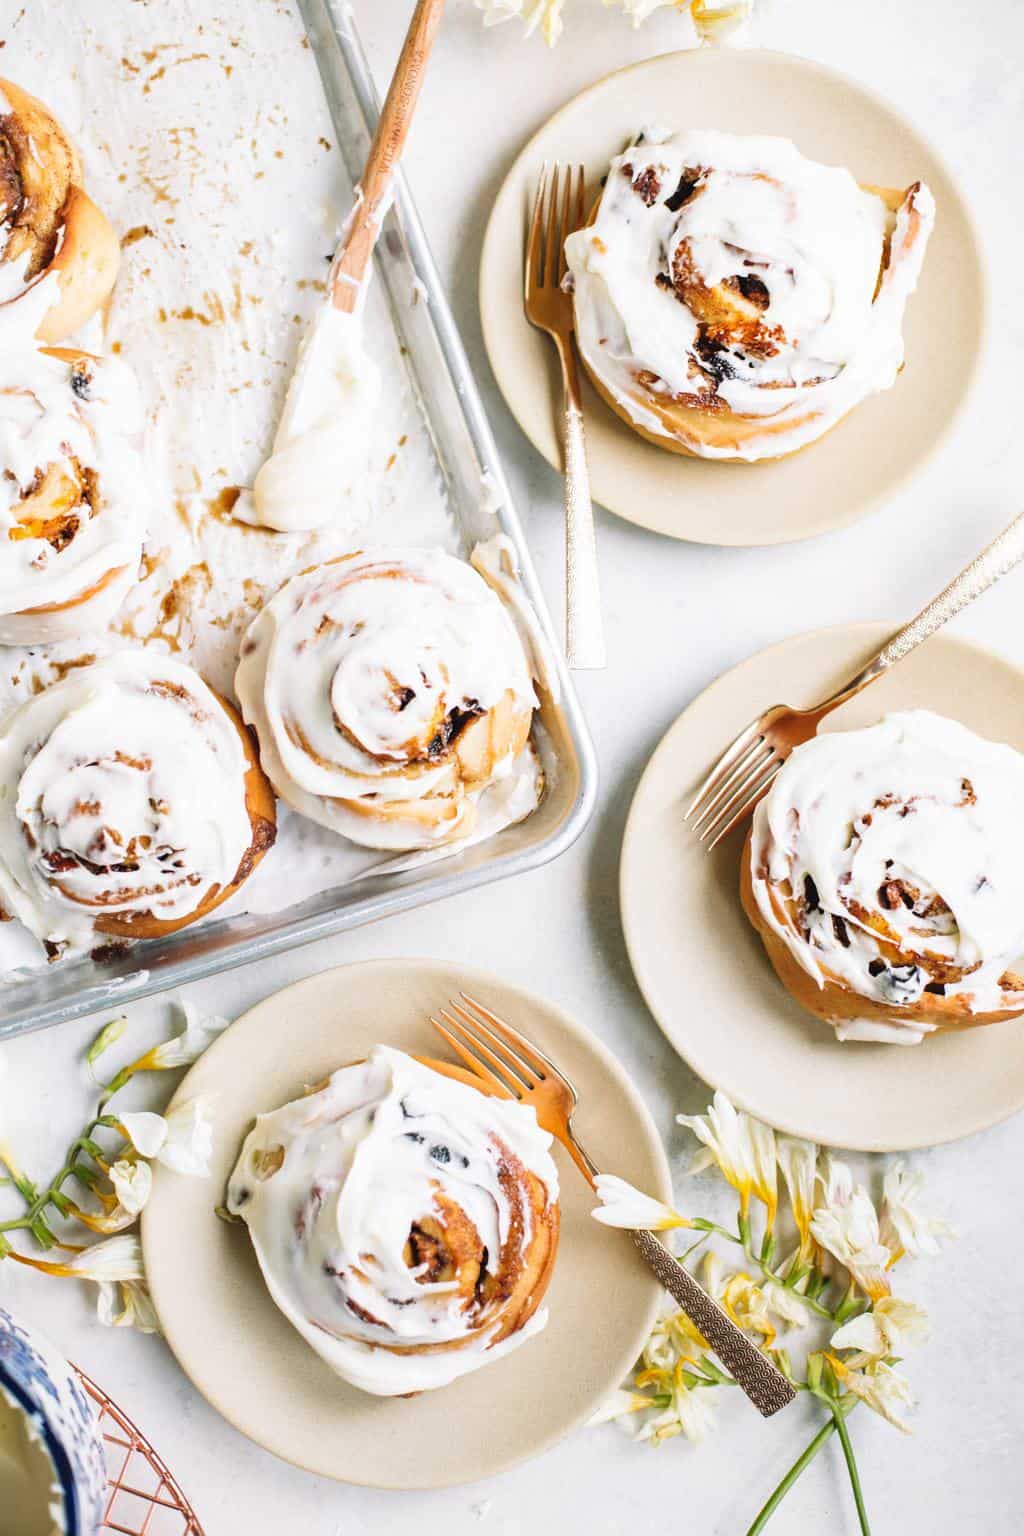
122 789
73 495
362 677
23 300
317 473
829 267
334 1189
911 830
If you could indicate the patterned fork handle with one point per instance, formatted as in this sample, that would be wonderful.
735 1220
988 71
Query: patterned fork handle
1005 551
762 1381
584 633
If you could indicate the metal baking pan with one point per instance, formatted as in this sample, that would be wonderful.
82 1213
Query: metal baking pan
475 486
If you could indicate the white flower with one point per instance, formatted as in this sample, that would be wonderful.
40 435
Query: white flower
882 1388
189 1142
714 20
847 1226
887 1329
115 1266
688 1413
201 1029
544 13
674 1338
119 1258
742 1147
127 1305
905 1228
146 1131
749 1302
623 1206
717 20
181 1140
785 1303
798 1161
620 1405
639 10
132 1184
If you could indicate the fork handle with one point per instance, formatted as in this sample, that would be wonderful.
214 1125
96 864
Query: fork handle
762 1381
1005 551
584 634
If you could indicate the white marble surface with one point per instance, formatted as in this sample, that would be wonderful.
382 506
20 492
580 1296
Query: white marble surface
676 617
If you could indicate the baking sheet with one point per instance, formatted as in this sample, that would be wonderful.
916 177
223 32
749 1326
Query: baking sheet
206 138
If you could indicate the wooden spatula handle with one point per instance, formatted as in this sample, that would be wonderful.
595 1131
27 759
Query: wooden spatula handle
349 267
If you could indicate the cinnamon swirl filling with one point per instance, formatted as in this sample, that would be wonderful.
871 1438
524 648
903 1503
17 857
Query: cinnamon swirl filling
58 254
130 803
73 496
405 1223
389 689
885 873
734 299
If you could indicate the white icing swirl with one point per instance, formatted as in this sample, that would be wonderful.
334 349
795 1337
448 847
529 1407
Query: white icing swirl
891 860
73 496
360 1195
24 302
321 457
388 689
735 275
122 790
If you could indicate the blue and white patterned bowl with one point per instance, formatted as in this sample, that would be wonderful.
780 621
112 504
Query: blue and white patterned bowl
38 1381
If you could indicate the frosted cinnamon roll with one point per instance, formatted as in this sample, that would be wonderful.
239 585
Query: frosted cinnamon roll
405 1223
734 300
389 689
73 497
885 874
131 803
58 254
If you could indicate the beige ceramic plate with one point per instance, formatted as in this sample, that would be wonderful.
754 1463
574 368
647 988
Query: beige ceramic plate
885 440
701 966
250 1363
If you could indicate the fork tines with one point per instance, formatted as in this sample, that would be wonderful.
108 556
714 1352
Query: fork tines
734 786
495 1051
545 250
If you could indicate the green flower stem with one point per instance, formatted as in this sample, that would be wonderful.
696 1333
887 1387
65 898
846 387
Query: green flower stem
768 1273
38 1200
800 1465
839 1419
117 1083
850 1305
701 1224
810 1301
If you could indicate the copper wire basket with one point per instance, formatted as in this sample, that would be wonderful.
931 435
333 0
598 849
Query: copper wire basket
143 1498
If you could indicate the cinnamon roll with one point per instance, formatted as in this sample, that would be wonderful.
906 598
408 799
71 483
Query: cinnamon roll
389 689
58 254
73 497
885 874
405 1223
735 300
131 803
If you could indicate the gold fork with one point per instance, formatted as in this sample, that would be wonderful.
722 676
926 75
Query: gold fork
549 307
512 1067
745 771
